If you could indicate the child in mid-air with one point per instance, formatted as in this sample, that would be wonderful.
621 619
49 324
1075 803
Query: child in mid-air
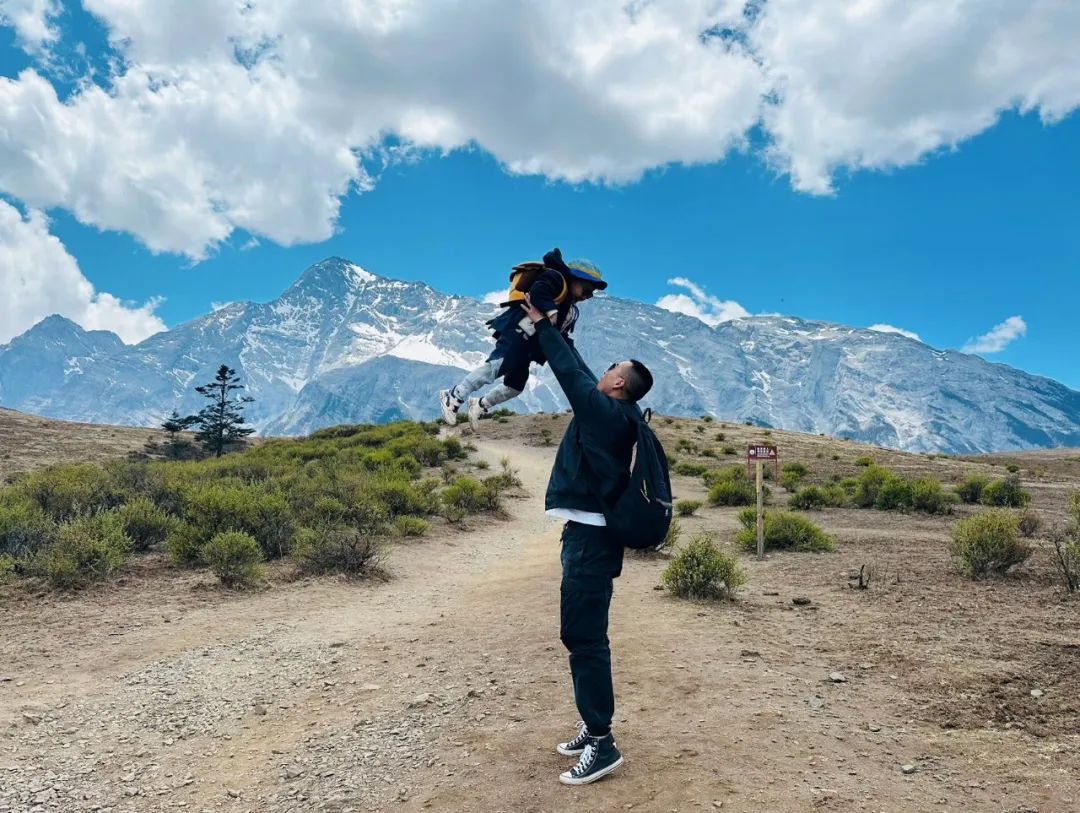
555 287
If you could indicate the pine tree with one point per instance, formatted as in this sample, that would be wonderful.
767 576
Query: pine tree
173 426
221 421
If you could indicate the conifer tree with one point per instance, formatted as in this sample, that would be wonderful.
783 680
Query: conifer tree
221 421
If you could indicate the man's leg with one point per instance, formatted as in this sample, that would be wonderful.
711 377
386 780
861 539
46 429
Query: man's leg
585 601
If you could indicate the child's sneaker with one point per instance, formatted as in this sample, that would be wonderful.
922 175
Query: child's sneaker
476 412
599 758
449 406
576 745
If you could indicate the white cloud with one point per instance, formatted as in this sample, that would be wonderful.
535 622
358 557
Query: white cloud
881 328
700 304
256 115
495 297
40 278
998 337
32 21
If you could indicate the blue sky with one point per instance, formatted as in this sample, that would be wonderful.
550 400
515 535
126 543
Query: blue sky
947 239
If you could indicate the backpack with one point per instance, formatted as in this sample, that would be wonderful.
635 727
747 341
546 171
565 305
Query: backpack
641 514
522 277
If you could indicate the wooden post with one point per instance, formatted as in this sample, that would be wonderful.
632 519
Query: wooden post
760 512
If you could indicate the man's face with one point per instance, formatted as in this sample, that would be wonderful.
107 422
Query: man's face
581 290
614 378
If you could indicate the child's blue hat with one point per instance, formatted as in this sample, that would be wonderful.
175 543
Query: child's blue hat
581 269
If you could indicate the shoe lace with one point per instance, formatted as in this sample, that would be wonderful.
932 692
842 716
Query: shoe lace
581 738
588 756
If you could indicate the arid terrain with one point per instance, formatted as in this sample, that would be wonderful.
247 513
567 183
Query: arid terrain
445 687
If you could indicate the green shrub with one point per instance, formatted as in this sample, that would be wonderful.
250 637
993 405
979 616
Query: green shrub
796 468
790 480
223 506
184 544
1012 468
864 461
784 530
234 557
338 550
970 491
870 483
707 418
708 453
86 549
732 492
399 496
63 492
1005 493
813 497
1073 508
686 508
894 494
1067 554
688 469
411 526
145 524
729 450
7 569
24 529
988 543
703 571
836 457
928 495
471 496
721 437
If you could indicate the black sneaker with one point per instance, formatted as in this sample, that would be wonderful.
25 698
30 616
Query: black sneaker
576 745
599 758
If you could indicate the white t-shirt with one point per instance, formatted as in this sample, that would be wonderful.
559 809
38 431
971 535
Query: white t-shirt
582 517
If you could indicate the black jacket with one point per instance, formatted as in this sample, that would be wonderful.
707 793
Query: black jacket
542 293
594 455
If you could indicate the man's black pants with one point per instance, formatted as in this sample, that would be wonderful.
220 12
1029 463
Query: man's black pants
591 559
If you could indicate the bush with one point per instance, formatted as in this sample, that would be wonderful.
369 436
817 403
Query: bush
970 491
7 569
1028 523
1073 508
411 526
894 494
988 543
1067 555
213 508
729 450
686 508
702 570
338 550
732 492
145 524
64 492
85 550
471 496
184 544
870 483
688 469
1012 468
813 497
721 437
784 530
796 468
928 495
1005 493
790 481
24 529
864 461
235 558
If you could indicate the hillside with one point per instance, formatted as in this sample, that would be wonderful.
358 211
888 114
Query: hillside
446 687
343 345
30 441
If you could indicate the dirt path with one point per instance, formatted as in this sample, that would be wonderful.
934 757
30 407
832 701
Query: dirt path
446 689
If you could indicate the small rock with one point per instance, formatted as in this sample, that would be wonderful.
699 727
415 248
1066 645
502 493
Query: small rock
31 718
837 677
873 727
234 794
658 587
908 768
259 710
370 687
1037 693
749 653
816 702
800 601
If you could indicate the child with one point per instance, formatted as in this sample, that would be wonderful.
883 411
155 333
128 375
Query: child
556 291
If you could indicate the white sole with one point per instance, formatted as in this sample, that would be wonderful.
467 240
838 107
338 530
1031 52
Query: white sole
566 752
567 779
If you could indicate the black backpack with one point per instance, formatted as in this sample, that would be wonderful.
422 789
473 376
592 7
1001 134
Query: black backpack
641 514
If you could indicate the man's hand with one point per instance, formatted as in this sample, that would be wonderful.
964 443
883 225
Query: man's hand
534 313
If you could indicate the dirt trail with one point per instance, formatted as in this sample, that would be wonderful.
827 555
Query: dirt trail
446 689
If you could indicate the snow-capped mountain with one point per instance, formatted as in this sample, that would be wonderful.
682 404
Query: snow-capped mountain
345 345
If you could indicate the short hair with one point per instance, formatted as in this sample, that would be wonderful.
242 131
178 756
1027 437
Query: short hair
638 380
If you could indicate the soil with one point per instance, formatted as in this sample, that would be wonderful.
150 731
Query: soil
446 688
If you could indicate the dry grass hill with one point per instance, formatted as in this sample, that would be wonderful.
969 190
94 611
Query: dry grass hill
445 686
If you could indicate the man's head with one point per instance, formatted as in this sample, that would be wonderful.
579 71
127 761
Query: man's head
629 380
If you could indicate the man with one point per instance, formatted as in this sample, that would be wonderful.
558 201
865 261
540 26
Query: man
591 468
557 292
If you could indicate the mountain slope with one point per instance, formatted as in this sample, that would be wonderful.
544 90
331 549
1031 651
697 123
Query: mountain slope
342 344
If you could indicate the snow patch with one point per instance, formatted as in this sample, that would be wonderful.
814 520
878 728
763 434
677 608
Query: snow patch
361 274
